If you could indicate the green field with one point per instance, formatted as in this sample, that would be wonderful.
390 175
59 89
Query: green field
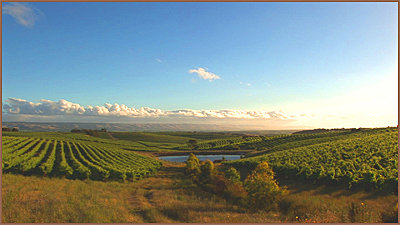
367 157
352 156
72 157
120 169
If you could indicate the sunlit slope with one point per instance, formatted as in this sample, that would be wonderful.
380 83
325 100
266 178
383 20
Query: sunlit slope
247 142
103 139
368 158
268 144
149 137
200 135
63 156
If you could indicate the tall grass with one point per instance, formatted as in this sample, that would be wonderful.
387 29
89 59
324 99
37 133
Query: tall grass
170 198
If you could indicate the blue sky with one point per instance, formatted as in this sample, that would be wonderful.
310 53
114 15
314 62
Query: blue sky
268 56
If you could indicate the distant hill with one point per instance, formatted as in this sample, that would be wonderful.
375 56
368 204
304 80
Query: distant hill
322 130
65 127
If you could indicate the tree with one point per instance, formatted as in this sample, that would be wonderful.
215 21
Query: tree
233 175
207 169
192 166
5 129
263 190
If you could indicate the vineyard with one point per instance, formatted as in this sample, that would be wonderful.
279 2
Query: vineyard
106 140
366 158
261 142
268 144
328 174
351 156
73 159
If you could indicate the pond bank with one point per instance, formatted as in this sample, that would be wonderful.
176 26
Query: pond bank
212 152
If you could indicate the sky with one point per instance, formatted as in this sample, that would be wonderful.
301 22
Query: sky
274 65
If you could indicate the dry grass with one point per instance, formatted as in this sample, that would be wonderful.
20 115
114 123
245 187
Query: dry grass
33 199
170 198
319 203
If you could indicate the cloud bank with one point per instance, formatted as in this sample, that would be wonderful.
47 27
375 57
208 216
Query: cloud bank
203 74
15 106
22 13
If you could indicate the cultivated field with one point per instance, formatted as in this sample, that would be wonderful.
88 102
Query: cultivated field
347 175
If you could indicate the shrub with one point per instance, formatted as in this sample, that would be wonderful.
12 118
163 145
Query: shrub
219 184
236 193
207 169
232 191
263 190
192 166
232 174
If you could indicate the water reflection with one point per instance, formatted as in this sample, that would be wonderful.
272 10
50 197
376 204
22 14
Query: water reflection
183 158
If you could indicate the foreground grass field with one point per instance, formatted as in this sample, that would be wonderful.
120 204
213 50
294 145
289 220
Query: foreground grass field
171 197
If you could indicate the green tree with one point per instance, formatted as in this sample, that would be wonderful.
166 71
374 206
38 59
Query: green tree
233 175
207 168
263 190
207 171
192 166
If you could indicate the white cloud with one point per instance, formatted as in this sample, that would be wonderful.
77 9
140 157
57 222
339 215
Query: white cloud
22 13
159 60
246 84
14 106
203 74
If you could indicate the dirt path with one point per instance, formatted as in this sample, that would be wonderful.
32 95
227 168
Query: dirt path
153 195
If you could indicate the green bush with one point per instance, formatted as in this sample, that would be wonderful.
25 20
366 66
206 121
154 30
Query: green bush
232 174
192 166
263 190
207 169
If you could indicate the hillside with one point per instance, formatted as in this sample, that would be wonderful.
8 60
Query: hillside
368 158
148 127
72 156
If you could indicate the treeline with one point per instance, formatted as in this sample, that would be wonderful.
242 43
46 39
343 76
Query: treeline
14 129
322 130
89 131
259 191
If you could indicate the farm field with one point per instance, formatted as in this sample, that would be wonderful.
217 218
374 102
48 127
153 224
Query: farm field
54 156
334 176
368 158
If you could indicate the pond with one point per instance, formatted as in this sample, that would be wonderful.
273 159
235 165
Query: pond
183 158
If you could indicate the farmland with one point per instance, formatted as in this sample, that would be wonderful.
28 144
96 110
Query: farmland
121 173
368 158
74 158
